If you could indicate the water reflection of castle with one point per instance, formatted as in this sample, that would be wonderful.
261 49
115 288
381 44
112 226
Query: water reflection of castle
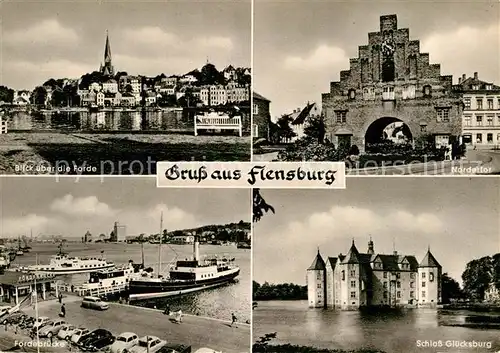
355 280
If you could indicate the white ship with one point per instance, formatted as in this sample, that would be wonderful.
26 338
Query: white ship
63 264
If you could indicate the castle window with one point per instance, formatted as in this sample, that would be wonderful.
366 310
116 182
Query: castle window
398 284
398 294
343 275
423 275
319 285
412 294
427 91
423 284
409 92
490 103
443 115
368 93
388 93
353 273
341 116
353 284
431 276
318 275
353 295
352 94
423 294
467 103
479 103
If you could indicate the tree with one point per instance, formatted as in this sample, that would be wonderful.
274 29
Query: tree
477 277
450 289
285 131
316 128
209 75
39 96
6 94
260 206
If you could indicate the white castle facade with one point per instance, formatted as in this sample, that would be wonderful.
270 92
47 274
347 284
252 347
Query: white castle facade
356 280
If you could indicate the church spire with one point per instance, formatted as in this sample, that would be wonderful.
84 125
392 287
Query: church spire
107 68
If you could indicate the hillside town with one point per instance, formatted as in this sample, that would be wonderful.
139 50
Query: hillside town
109 88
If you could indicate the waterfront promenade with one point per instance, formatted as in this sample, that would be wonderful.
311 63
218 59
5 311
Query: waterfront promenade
194 330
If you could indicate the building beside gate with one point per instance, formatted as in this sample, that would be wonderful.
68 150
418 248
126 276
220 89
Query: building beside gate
390 81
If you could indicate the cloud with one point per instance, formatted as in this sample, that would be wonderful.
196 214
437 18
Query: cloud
322 57
332 231
81 206
21 225
47 32
463 43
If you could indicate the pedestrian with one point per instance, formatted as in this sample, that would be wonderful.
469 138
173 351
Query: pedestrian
60 298
51 340
233 319
63 311
167 310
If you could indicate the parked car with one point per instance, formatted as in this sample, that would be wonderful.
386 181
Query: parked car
96 340
42 320
207 350
51 329
13 318
124 341
78 335
94 303
147 344
66 331
175 349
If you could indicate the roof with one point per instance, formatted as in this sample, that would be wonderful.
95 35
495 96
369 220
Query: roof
15 278
429 261
332 261
318 263
259 97
469 83
352 256
304 114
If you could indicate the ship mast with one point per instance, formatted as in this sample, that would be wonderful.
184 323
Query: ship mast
159 245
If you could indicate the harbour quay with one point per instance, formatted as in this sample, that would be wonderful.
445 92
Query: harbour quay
194 331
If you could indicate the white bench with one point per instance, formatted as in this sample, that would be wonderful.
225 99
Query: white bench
3 126
214 121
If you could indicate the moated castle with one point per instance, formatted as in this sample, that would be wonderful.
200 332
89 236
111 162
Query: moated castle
355 280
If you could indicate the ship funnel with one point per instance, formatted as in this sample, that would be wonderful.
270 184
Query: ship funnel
196 249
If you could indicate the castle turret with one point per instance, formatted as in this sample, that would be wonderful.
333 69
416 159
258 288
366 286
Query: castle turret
351 280
371 249
316 283
429 281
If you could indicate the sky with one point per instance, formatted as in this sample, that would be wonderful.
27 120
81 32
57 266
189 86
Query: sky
301 46
456 217
45 39
69 206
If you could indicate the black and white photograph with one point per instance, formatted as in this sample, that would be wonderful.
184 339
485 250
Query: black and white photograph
112 87
410 87
116 265
388 265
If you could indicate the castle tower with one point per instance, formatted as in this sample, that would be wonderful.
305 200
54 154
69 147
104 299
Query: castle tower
350 292
371 249
107 69
316 283
429 281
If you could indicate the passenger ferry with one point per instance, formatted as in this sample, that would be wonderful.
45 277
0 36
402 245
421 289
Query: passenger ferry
110 281
63 264
186 276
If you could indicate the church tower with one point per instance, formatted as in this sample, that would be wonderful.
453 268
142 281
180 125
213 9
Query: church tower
316 283
429 281
107 69
371 249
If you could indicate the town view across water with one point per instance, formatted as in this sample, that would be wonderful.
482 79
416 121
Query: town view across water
216 303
